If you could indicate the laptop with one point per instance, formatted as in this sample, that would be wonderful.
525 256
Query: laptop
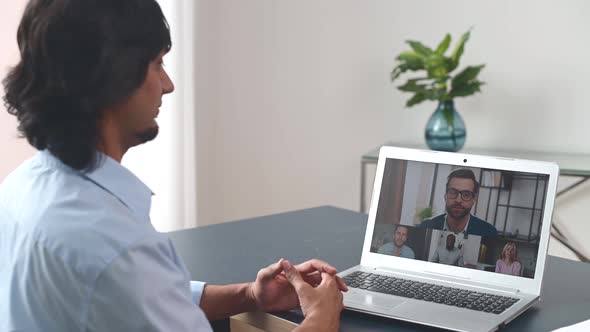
454 241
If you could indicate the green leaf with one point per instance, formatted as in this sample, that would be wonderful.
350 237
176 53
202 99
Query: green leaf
466 75
444 45
440 80
436 86
465 83
424 213
419 48
402 68
422 94
458 52
434 93
409 60
416 99
413 60
398 70
466 89
436 66
413 86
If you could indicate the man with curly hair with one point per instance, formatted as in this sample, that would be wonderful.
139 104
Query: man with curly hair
77 250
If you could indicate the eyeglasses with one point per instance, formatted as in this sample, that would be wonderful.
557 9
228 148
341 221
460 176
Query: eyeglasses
466 195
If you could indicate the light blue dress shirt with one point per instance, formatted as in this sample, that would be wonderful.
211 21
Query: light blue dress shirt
78 253
405 251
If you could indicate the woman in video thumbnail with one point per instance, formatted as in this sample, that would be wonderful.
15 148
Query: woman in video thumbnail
508 262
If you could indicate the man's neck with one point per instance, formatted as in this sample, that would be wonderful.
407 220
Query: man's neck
110 141
457 225
112 151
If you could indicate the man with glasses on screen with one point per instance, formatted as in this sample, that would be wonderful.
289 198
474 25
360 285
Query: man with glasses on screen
460 196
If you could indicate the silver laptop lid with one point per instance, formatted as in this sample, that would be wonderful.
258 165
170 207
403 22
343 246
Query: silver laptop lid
478 218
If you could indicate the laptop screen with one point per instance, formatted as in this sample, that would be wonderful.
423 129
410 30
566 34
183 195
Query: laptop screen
475 218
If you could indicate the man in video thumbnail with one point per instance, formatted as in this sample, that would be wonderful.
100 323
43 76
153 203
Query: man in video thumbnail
398 247
460 196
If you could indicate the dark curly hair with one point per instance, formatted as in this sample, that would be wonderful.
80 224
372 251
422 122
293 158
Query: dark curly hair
77 58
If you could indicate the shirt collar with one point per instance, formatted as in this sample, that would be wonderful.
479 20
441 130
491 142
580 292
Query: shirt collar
464 231
116 180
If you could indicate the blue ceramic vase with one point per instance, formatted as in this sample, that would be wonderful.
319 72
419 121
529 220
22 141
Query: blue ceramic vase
445 130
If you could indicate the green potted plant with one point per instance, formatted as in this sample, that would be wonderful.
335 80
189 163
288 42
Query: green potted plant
423 213
445 129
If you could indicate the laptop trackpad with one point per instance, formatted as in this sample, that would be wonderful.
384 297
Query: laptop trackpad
374 300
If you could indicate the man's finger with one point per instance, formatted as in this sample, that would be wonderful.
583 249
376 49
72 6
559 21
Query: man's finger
316 265
341 284
293 275
326 277
271 271
335 279
313 278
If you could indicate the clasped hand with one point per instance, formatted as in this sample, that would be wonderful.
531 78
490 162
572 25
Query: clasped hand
313 285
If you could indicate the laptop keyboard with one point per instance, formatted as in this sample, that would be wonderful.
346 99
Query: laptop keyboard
429 292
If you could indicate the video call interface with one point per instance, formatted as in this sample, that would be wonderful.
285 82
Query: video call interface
475 218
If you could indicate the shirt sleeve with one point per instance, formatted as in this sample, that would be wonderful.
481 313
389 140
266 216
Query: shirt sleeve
197 288
411 253
460 260
435 256
144 289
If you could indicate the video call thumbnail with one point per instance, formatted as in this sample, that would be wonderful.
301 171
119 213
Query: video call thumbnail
474 218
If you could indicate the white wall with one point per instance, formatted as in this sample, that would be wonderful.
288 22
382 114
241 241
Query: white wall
160 164
290 94
13 150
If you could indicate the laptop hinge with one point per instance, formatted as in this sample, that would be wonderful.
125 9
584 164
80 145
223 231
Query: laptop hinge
462 281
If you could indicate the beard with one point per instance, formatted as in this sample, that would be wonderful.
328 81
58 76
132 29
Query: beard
457 214
147 135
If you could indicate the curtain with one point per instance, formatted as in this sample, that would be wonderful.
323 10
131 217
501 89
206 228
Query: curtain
168 163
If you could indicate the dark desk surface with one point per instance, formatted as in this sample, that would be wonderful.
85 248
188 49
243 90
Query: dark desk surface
234 252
